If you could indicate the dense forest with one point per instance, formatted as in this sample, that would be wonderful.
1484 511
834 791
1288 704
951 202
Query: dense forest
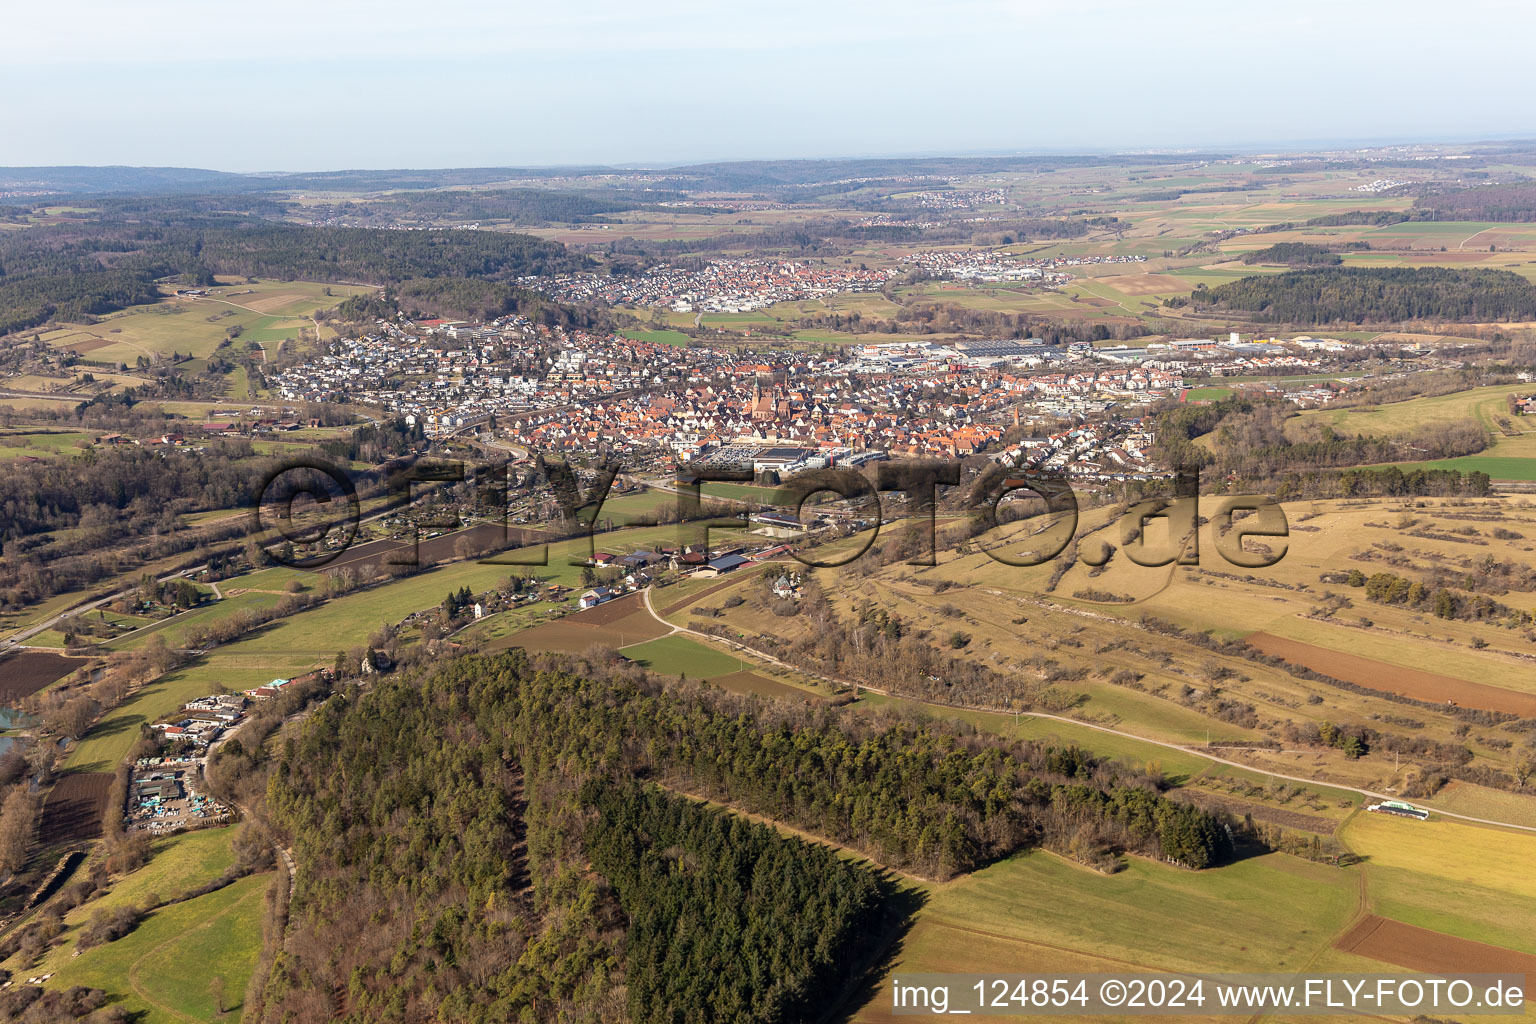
835 236
771 929
949 318
538 881
1368 218
509 830
1374 295
1511 203
1295 254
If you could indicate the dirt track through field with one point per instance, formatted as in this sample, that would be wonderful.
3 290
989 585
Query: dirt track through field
1419 949
1405 682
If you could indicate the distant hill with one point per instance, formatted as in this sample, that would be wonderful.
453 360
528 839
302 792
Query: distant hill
98 180
736 174
117 179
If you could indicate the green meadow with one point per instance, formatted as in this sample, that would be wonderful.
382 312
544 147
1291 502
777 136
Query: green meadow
681 655
161 971
657 337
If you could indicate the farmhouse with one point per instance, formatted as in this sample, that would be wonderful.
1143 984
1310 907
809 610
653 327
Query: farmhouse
593 598
722 565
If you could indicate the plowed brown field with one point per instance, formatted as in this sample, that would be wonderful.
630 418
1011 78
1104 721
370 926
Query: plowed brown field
75 807
1420 949
616 624
26 672
1406 682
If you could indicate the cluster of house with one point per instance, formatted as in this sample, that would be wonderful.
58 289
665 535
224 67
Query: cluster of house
575 392
907 400
724 285
637 569
203 720
447 375
955 199
981 265
1113 449
570 392
254 422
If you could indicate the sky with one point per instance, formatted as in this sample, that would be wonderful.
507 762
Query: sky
333 84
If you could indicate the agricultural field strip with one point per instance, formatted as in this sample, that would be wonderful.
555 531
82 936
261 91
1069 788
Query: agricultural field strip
1369 794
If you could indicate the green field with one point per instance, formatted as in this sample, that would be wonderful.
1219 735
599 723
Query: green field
177 863
1506 457
681 655
1208 394
266 313
275 578
1447 876
1036 911
1481 404
1499 468
174 629
42 443
162 969
657 337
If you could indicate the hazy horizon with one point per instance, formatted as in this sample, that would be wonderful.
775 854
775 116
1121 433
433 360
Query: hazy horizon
1236 148
350 85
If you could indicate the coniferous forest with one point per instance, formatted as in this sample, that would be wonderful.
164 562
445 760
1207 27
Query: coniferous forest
1330 295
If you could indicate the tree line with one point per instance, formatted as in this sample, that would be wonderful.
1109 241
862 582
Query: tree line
1509 203
1250 441
1329 295
1295 254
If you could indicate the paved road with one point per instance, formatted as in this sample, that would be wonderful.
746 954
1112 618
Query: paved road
1196 751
